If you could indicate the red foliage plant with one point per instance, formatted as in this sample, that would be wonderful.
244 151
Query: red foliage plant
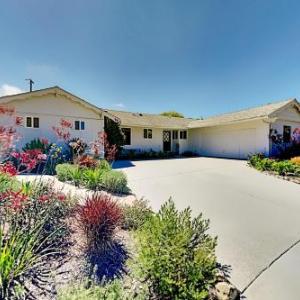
98 217
87 161
9 169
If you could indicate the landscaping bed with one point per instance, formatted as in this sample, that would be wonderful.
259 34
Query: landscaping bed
288 169
54 246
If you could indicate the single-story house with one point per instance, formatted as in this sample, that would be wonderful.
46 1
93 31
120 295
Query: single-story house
232 135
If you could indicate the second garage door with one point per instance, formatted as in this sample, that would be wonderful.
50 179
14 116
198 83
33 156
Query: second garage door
229 143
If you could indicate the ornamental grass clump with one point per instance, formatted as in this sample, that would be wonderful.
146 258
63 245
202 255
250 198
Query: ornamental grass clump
106 256
176 254
99 217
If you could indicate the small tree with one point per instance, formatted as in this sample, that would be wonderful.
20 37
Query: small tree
172 114
176 254
114 133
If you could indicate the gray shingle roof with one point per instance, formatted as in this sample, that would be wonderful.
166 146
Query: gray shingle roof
152 120
259 112
149 120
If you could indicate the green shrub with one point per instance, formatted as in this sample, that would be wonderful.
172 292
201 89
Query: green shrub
176 254
64 172
104 165
103 177
286 167
114 181
116 290
92 178
281 167
135 214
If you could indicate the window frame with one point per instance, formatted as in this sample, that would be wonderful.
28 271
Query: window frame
32 122
148 133
183 134
129 130
80 122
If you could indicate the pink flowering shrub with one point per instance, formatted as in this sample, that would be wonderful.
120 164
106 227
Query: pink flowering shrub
8 133
62 131
101 142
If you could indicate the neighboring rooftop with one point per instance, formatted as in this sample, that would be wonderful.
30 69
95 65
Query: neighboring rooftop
149 120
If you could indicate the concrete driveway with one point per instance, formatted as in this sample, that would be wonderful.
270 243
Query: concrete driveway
255 216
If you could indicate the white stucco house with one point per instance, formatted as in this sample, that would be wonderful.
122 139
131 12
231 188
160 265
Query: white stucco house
231 135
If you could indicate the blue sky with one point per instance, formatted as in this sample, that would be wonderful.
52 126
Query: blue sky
199 57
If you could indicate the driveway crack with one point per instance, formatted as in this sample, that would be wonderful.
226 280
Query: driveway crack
269 265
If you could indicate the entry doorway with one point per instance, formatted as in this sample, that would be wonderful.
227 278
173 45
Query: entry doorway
166 140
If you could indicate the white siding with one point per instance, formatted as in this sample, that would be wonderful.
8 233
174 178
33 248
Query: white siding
288 117
138 142
51 109
232 141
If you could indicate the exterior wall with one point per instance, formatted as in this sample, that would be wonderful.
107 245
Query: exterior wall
51 109
232 141
288 117
138 142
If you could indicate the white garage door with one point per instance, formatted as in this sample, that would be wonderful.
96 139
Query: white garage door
229 143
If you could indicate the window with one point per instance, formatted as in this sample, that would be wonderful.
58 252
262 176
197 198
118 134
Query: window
286 134
183 134
32 122
127 136
175 135
79 125
36 122
147 133
28 122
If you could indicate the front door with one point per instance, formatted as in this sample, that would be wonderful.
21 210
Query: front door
167 141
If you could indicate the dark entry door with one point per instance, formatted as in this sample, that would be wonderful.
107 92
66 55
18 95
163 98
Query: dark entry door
167 140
